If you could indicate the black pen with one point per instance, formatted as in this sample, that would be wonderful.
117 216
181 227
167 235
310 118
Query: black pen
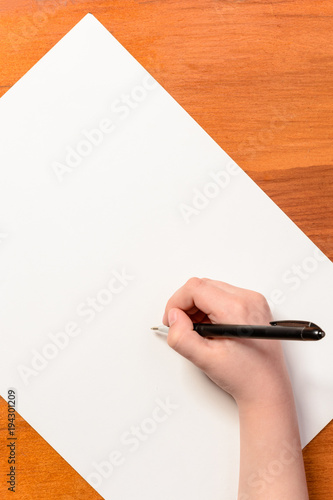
279 330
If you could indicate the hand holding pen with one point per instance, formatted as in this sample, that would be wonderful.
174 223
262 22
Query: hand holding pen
252 371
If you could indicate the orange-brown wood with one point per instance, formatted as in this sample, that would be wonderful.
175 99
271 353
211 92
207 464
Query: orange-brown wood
257 76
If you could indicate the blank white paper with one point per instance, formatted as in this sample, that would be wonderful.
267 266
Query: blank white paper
107 189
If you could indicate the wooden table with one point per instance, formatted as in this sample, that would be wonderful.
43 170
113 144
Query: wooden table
257 76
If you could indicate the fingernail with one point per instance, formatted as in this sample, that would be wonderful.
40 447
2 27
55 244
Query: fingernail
172 317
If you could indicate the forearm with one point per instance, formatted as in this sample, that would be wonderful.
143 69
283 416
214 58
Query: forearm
271 461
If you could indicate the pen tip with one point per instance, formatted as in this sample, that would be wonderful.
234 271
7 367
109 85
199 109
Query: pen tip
154 328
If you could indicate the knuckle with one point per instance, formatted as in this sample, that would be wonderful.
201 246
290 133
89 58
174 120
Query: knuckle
259 312
260 301
194 282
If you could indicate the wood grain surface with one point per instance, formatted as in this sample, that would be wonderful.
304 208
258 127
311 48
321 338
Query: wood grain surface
257 76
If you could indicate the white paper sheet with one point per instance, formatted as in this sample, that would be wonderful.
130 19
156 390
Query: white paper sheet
107 189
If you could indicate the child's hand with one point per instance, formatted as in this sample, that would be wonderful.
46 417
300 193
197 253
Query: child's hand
252 371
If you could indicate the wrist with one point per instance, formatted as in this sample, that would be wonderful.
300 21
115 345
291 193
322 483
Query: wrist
270 397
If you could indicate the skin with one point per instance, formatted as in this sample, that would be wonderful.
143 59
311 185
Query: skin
254 373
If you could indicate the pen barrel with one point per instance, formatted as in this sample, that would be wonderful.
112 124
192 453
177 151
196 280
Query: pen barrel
257 332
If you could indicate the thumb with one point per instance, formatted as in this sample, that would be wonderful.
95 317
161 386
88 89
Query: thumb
184 340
